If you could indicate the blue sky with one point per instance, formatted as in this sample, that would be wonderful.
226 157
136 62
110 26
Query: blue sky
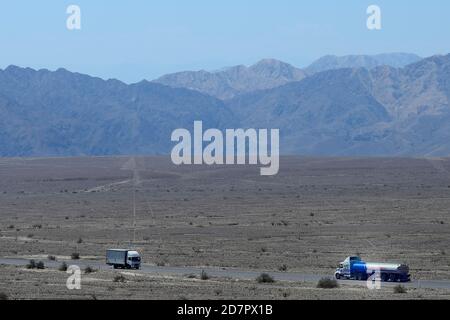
143 39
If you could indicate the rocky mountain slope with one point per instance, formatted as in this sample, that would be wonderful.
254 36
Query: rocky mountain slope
383 111
64 113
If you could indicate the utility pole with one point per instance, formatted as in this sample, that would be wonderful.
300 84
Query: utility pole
135 183
134 214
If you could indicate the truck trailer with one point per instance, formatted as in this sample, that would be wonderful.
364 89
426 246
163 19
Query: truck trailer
354 268
123 259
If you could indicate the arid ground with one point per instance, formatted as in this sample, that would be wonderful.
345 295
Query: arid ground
306 219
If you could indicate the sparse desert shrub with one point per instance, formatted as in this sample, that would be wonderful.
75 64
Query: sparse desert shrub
30 235
265 278
51 258
80 240
160 263
63 267
119 278
31 264
196 250
37 226
3 296
89 269
327 283
35 265
204 275
283 268
11 226
400 289
75 256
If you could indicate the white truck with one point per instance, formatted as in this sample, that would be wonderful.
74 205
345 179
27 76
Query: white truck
123 259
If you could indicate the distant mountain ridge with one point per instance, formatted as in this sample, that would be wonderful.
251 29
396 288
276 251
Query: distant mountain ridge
330 62
270 73
380 111
230 82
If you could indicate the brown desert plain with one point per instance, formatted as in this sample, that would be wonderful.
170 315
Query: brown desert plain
305 220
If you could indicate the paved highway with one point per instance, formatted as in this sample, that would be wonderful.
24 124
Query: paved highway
224 273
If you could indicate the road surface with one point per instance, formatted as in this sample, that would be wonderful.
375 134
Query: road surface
231 273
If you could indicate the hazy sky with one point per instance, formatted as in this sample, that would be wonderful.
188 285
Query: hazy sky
133 40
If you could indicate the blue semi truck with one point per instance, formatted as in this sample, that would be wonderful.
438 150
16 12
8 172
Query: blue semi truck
354 268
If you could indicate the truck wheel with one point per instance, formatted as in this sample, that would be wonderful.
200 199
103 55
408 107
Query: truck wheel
114 266
384 277
337 276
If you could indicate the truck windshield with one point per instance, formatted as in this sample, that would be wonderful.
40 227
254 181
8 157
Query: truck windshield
136 259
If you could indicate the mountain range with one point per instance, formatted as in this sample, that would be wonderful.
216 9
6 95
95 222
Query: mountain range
360 106
270 73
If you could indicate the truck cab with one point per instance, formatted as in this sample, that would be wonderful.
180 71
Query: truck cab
134 260
345 268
